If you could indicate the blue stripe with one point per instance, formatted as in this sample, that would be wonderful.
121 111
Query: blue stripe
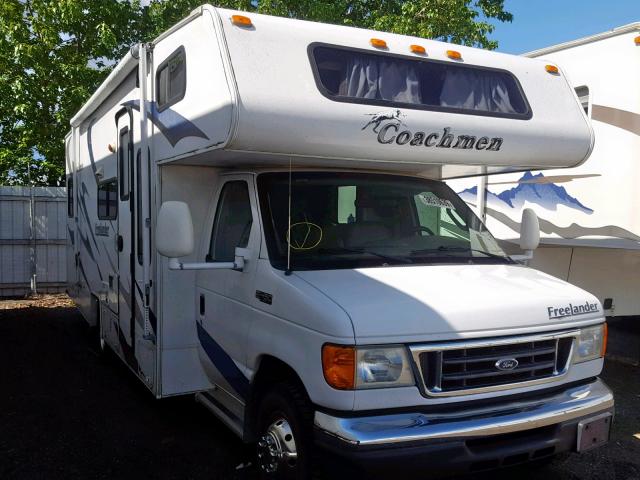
223 362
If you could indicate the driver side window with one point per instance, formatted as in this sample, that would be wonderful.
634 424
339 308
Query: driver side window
232 224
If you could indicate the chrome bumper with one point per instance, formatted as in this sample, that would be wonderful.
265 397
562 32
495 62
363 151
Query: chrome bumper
495 419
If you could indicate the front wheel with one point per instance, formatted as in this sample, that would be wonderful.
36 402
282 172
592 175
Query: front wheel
285 444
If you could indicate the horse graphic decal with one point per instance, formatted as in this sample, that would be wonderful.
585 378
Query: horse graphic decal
376 119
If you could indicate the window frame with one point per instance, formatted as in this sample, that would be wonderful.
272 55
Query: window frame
413 106
209 255
178 51
113 216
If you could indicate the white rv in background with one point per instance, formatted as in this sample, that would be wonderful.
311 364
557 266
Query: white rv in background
589 215
257 215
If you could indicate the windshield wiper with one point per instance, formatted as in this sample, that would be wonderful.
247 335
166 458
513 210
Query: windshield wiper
452 249
369 252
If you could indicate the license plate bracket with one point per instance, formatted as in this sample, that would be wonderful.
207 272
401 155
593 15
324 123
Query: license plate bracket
594 432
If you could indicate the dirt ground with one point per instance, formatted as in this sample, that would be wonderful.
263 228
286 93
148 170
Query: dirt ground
66 412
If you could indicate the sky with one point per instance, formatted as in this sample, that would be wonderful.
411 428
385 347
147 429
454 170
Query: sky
542 23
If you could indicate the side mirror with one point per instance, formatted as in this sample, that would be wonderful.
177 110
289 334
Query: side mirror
174 239
529 235
174 230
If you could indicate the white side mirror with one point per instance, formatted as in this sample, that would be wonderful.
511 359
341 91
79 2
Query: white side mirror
174 230
529 230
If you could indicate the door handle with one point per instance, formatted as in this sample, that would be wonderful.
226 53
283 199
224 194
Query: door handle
120 243
201 304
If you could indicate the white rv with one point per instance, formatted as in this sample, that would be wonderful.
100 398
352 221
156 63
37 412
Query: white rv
257 216
589 215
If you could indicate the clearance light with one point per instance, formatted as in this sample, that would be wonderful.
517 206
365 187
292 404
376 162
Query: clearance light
637 40
552 69
241 21
454 55
605 339
419 49
339 366
378 43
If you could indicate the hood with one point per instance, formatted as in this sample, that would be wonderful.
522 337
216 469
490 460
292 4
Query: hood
444 302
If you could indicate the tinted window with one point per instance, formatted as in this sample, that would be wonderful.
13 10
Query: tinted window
139 207
124 160
360 77
70 196
172 79
583 96
232 225
107 200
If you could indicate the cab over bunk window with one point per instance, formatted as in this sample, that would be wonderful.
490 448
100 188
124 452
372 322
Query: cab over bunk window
107 200
356 76
232 224
171 80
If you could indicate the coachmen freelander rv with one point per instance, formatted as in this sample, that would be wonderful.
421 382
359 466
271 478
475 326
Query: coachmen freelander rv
257 216
590 215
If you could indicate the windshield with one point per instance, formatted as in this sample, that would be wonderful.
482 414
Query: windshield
352 220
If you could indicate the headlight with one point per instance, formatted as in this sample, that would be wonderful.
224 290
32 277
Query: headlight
383 367
348 368
592 344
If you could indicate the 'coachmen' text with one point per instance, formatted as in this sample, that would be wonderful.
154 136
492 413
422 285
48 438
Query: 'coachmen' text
390 134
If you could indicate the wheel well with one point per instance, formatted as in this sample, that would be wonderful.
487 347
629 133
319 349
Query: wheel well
271 370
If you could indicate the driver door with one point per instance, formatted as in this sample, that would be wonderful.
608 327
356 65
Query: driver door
225 296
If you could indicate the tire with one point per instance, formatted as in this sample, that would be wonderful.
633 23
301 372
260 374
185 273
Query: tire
284 425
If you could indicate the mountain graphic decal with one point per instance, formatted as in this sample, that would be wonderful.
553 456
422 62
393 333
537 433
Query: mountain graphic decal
533 189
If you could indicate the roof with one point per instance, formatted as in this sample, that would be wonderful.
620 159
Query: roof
631 27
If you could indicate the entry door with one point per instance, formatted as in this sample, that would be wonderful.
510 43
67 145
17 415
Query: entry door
124 238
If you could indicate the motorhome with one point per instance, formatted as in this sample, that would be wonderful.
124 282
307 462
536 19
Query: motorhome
589 215
257 216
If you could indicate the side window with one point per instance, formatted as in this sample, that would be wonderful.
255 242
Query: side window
124 161
232 224
171 80
70 196
139 207
107 199
583 96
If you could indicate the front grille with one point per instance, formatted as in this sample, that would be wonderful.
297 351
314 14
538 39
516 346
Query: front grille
473 367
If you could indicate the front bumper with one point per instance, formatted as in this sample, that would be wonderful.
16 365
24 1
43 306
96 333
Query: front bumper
469 439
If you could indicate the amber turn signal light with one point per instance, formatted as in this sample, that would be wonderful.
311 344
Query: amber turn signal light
241 21
552 69
339 366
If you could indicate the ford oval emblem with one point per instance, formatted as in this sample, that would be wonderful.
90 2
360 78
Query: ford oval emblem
506 364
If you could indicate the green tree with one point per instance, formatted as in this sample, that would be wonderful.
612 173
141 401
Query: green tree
55 53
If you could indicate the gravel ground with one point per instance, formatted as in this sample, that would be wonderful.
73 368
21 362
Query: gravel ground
66 412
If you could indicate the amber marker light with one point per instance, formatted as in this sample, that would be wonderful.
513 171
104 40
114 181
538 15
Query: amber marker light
339 366
378 43
637 40
419 49
552 69
454 55
241 21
